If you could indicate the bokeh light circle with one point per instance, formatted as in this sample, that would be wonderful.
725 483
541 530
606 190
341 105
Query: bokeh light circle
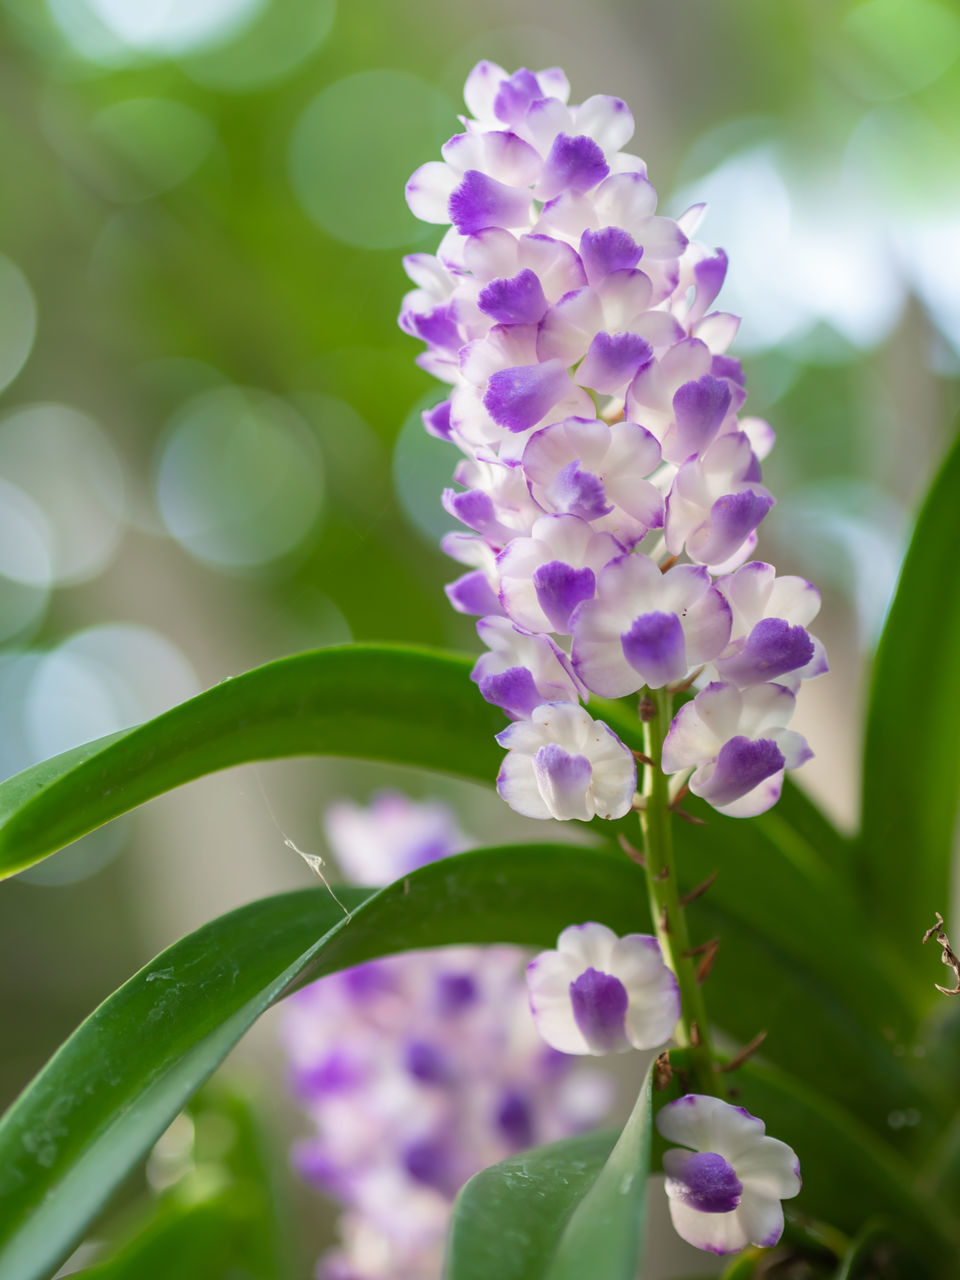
159 141
26 571
239 481
811 258
95 682
64 462
355 146
25 539
18 321
100 680
278 41
422 469
121 32
897 48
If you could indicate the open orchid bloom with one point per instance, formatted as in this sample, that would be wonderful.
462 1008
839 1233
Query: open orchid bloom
563 764
737 744
598 993
726 1178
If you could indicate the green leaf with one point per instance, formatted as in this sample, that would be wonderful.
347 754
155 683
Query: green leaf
799 933
408 706
745 1265
785 876
116 1084
110 1091
850 1175
911 769
793 934
819 981
877 1251
561 1212
604 1237
530 1198
222 1217
203 1238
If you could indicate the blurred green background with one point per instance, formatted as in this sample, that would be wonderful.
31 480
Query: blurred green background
210 447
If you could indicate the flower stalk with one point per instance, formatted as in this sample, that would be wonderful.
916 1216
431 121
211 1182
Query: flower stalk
669 916
610 489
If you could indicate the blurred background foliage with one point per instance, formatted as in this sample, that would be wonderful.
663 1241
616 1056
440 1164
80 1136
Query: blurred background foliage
210 446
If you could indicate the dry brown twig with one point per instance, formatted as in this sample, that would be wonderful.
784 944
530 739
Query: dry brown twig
947 955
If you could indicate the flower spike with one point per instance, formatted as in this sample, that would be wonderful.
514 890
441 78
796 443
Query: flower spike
611 487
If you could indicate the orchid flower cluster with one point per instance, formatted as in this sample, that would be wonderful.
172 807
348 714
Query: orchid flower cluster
438 1070
610 489
597 993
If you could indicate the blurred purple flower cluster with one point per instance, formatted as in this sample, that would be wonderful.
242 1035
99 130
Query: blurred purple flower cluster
598 414
419 1070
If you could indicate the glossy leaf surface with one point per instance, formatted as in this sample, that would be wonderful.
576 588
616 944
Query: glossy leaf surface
605 1234
407 706
783 902
530 1197
114 1086
911 768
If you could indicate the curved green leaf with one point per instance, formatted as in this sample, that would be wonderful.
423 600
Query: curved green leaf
110 1091
114 1086
207 1238
911 768
408 706
568 1210
530 1198
800 932
858 1260
223 1217
745 1265
604 1237
850 1175
793 934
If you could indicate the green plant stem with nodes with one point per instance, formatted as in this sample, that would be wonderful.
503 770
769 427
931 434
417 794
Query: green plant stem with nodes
669 918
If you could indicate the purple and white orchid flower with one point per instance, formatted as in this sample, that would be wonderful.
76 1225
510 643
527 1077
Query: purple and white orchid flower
726 1179
522 670
737 744
597 993
768 638
561 763
582 467
646 627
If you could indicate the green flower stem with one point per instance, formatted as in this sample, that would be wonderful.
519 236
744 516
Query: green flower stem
668 915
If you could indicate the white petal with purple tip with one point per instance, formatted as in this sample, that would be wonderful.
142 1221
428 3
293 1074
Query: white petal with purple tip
646 627
481 89
725 1190
737 744
605 119
545 576
428 192
598 993
561 763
